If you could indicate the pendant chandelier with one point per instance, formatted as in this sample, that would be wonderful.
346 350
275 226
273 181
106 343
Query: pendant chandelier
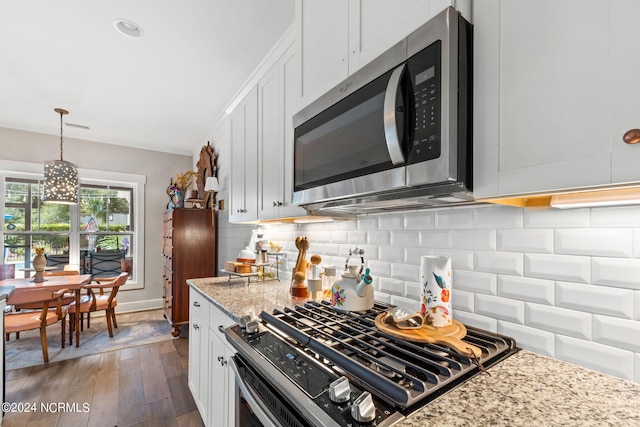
60 177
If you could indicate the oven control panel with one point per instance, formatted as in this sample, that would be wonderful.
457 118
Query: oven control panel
345 402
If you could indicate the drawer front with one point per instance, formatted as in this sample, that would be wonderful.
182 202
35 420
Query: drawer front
198 305
219 320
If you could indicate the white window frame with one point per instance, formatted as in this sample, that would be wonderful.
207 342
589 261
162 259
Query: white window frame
25 170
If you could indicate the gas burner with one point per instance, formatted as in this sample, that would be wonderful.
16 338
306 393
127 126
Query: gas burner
384 370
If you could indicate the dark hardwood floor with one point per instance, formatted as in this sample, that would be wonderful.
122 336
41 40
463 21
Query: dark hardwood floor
138 386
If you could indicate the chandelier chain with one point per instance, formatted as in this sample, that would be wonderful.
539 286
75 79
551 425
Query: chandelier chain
61 136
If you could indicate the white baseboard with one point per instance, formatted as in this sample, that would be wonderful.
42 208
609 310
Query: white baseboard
128 307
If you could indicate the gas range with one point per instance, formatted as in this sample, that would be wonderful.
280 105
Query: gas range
314 365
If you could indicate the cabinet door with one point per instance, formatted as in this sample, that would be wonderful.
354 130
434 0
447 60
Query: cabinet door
217 378
625 85
290 78
541 95
368 17
198 363
322 32
271 147
244 160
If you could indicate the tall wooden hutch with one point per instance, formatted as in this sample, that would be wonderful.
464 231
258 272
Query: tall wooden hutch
189 250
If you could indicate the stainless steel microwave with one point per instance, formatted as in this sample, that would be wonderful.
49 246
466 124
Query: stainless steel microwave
397 133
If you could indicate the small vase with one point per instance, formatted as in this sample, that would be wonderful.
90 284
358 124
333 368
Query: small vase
39 263
180 200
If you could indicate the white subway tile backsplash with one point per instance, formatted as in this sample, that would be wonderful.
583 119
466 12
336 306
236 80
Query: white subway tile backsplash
636 304
595 242
358 237
595 356
379 268
498 262
368 222
405 238
414 255
436 239
461 300
497 217
616 272
391 286
636 243
557 218
481 240
525 240
595 299
625 217
559 320
527 289
476 320
379 238
381 296
500 308
454 218
339 236
391 222
420 220
391 254
616 332
461 260
558 267
474 281
412 290
527 338
405 272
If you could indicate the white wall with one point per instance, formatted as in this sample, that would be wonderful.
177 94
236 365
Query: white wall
158 167
563 283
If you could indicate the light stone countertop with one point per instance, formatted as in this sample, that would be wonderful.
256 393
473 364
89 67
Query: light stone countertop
526 389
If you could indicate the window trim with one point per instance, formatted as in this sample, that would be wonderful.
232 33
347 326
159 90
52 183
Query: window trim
27 170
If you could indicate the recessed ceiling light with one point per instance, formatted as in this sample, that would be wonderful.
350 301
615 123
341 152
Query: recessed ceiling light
128 28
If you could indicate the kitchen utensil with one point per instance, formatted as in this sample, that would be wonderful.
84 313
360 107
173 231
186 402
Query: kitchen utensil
450 336
353 292
435 291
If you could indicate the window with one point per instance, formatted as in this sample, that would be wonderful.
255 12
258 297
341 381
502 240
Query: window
94 234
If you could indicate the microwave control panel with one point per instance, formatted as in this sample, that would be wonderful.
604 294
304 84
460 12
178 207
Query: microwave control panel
425 81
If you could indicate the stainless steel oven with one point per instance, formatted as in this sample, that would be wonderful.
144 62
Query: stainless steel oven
398 129
312 365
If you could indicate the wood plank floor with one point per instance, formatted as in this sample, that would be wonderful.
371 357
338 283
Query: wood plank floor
143 386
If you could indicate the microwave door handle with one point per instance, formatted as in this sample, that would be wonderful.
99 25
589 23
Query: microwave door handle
389 111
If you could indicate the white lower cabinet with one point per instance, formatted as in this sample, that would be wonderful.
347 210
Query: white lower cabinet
221 378
199 351
211 380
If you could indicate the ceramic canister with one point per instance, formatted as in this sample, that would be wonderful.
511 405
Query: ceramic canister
435 292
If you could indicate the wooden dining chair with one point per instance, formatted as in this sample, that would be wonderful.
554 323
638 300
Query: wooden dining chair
99 302
51 311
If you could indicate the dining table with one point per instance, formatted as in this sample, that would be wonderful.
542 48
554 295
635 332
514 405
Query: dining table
74 282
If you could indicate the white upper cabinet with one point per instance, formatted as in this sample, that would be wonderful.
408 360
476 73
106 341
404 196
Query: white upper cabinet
553 83
338 37
625 88
244 160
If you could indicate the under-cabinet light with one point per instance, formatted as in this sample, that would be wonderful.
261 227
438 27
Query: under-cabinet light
599 198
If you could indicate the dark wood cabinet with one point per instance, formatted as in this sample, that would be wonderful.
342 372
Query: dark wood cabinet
189 249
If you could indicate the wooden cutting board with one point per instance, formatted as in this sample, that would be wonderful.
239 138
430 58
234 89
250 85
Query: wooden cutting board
450 336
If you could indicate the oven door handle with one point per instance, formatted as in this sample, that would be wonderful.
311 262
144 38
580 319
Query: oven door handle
259 411
389 112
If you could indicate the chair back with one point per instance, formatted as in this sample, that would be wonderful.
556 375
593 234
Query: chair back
30 296
7 271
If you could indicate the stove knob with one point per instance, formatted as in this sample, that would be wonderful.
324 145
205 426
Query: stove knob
363 410
339 390
252 327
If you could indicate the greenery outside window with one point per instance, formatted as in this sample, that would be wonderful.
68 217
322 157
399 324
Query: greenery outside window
107 220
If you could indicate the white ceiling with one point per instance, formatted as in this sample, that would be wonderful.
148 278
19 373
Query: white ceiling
163 91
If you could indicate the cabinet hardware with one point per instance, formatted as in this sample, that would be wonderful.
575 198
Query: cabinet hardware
195 326
196 304
632 136
221 329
